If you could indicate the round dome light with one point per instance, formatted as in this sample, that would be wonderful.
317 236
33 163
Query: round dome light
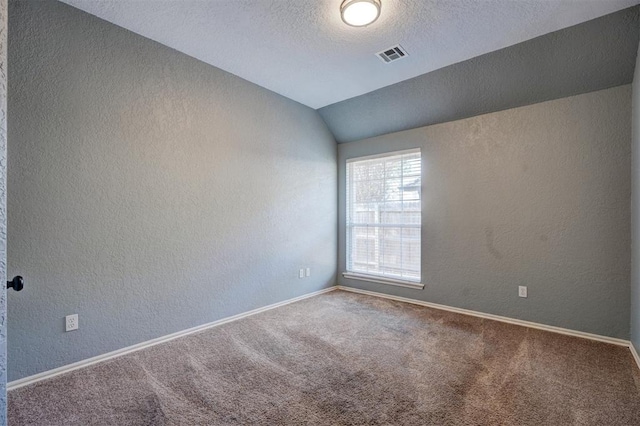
359 13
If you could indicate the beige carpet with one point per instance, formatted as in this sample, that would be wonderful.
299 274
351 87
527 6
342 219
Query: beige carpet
348 359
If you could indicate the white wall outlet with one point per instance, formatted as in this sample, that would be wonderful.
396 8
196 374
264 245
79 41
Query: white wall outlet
522 291
308 272
71 322
301 273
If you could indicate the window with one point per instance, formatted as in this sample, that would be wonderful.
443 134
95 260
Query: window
384 218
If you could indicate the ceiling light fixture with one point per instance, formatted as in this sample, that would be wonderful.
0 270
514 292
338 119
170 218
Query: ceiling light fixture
359 13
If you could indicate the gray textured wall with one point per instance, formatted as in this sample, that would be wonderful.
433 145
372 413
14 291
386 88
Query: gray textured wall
3 211
150 192
635 211
591 56
536 196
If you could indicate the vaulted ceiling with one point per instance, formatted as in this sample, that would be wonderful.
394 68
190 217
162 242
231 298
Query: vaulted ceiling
302 50
594 55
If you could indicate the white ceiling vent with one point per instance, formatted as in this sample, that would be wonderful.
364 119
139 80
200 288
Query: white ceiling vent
392 54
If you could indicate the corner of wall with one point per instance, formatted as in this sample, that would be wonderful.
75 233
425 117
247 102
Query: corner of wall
635 210
3 210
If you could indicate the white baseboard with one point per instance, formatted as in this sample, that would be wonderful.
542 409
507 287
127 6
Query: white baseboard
551 328
634 352
114 354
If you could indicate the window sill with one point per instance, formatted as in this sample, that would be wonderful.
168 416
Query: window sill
383 280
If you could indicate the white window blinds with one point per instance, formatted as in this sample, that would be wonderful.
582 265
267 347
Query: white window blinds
384 215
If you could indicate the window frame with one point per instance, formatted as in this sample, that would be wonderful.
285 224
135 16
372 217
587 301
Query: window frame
349 225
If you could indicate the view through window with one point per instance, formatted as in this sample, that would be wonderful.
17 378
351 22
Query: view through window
384 215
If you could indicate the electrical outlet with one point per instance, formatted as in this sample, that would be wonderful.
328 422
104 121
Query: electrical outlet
522 291
308 272
71 322
301 273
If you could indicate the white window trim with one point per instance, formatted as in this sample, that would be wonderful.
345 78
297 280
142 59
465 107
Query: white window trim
383 280
376 278
384 154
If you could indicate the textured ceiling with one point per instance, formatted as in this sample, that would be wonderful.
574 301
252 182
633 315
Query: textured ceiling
594 55
302 50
